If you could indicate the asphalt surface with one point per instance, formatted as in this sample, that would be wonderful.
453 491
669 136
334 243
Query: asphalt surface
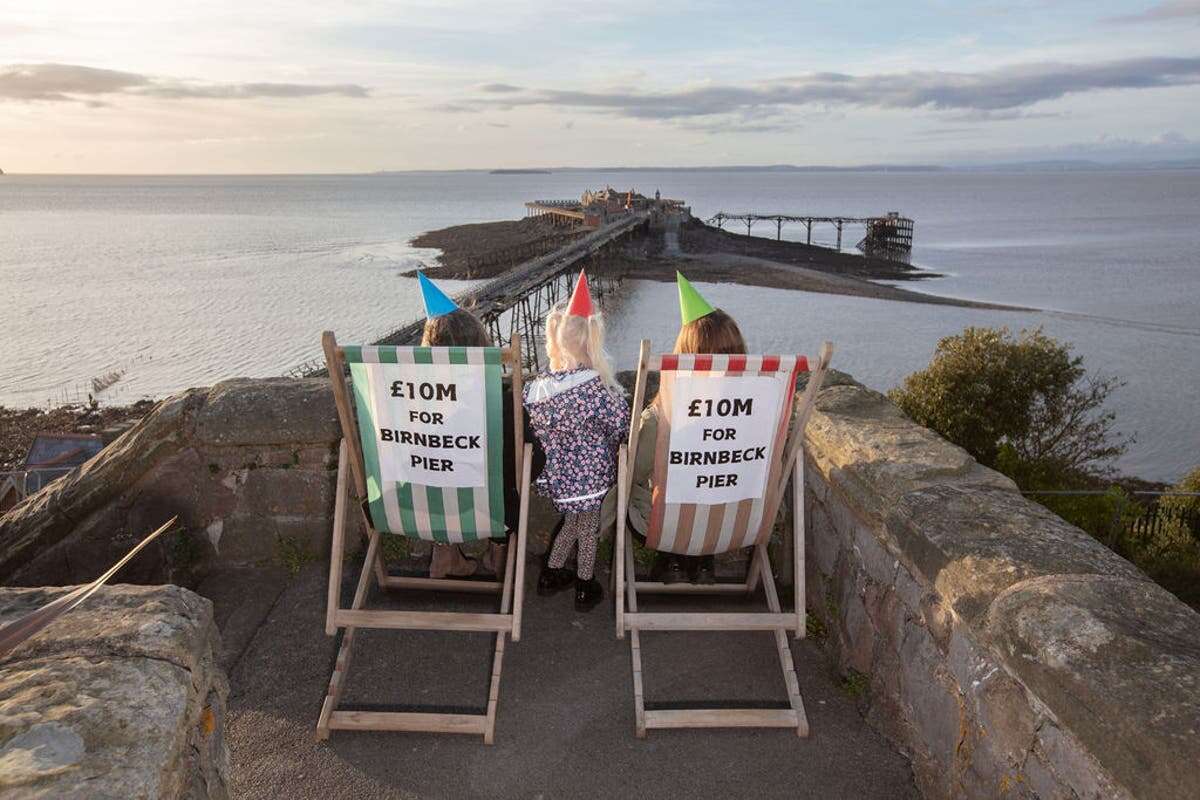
565 719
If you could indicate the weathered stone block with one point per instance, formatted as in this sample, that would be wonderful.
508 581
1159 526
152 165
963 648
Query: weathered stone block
242 411
971 543
120 698
1118 662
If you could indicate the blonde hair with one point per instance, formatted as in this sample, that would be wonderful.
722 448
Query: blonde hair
459 328
573 341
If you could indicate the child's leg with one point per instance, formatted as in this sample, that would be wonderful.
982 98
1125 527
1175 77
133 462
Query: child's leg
588 527
563 542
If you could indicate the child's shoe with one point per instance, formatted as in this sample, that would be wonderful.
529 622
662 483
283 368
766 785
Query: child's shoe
703 571
668 568
552 581
587 594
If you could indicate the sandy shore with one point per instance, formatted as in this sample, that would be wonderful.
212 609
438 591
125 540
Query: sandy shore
754 271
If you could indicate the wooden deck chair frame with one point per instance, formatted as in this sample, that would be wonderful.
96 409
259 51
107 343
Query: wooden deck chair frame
776 620
351 489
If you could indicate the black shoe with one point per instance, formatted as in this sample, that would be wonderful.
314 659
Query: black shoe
703 571
668 568
552 581
587 594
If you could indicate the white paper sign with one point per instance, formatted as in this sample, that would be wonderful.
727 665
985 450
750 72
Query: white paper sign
722 432
431 423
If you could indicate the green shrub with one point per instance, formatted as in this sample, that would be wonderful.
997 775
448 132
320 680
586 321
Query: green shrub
1023 405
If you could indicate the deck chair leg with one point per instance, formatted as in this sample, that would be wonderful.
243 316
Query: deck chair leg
518 575
514 553
619 535
799 587
781 644
635 649
341 665
338 546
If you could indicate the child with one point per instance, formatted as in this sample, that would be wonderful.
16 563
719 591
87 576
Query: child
579 414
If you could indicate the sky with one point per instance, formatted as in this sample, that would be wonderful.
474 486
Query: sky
304 86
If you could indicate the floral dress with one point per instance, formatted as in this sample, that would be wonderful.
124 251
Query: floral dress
580 424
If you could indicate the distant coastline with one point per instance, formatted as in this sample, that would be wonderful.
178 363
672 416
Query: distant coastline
519 172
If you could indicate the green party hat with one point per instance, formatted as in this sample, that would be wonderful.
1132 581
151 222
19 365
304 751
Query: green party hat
691 305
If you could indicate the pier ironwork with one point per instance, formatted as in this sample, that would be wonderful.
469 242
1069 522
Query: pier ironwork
889 236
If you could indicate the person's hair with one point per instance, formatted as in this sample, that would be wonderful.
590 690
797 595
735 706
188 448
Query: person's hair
714 333
573 341
459 328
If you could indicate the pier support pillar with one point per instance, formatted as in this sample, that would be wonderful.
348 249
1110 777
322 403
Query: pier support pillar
778 230
809 226
839 243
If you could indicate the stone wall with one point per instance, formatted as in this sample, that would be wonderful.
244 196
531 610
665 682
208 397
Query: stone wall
1009 653
120 698
248 465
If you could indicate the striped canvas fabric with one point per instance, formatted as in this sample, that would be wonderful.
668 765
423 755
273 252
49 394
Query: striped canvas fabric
695 528
435 513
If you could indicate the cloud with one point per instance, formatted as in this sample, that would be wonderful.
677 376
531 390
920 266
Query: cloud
73 83
994 92
499 88
1170 10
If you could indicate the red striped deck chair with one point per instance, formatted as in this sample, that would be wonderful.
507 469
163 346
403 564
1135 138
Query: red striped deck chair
723 458
422 456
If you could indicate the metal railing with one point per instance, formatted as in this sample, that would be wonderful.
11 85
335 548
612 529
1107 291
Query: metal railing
1149 522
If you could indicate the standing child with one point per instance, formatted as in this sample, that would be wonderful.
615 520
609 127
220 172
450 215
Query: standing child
579 414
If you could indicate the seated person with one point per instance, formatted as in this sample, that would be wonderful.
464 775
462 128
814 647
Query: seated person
704 330
447 325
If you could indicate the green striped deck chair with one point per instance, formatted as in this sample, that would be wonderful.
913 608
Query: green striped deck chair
723 458
422 455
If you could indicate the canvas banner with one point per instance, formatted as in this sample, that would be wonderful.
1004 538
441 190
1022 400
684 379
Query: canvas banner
430 423
722 436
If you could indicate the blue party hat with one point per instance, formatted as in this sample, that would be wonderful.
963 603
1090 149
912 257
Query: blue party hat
436 301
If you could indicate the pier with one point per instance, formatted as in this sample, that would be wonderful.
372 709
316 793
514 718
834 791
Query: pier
890 236
519 300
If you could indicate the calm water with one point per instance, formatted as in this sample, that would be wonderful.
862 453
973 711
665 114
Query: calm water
183 281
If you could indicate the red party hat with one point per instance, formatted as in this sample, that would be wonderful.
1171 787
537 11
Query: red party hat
581 298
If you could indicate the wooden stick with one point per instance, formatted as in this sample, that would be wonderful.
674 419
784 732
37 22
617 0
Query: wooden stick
13 634
336 365
333 596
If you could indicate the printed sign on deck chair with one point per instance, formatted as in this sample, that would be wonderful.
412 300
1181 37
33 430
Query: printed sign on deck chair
431 439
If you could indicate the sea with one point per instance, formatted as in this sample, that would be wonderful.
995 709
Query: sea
156 284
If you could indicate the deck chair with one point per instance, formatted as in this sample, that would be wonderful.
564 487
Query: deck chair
403 486
706 392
